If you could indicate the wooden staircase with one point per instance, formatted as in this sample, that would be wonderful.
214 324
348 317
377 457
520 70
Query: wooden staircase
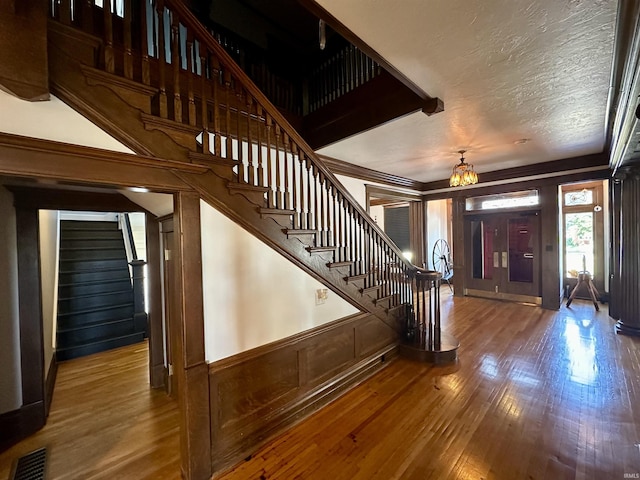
157 81
95 295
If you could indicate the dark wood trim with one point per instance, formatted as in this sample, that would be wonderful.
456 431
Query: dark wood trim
258 393
550 267
554 167
34 158
188 340
339 167
375 103
59 198
154 282
29 299
50 383
18 424
320 12
389 194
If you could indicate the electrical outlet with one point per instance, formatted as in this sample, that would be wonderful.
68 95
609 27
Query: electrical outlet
321 295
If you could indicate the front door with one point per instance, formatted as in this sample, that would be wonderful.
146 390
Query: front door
503 259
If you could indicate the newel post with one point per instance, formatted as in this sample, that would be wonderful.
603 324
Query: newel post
139 313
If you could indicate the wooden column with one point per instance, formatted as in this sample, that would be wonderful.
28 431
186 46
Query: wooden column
628 270
189 365
550 288
615 209
156 342
459 255
417 233
31 340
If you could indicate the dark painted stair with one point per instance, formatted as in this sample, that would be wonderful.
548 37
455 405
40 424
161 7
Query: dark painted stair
95 296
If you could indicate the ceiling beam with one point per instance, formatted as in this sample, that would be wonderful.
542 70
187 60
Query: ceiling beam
378 101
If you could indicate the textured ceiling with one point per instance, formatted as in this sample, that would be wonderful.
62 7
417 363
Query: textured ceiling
506 70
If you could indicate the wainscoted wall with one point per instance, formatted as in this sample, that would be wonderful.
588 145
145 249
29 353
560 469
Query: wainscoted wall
258 393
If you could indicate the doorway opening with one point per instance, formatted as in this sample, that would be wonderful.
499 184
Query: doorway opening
583 216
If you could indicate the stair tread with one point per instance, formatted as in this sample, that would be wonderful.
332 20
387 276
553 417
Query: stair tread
97 309
102 340
95 282
247 186
276 211
99 294
70 249
321 249
299 231
339 264
93 325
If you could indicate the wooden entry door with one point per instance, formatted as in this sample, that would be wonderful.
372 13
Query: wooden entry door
504 256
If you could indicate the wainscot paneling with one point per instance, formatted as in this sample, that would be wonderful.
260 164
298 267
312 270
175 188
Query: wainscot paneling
256 394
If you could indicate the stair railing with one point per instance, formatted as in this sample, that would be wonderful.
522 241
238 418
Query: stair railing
199 87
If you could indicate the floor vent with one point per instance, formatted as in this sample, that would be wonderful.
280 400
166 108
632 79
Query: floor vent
31 466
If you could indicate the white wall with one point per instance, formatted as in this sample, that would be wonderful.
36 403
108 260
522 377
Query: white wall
49 247
10 371
253 295
52 120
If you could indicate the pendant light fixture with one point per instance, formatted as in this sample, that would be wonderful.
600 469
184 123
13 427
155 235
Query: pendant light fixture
463 173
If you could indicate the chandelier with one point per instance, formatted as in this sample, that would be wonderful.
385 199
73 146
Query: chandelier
463 173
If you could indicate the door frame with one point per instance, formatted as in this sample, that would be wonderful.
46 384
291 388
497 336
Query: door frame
501 287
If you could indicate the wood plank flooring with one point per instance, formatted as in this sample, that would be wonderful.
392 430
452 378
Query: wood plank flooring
536 394
106 423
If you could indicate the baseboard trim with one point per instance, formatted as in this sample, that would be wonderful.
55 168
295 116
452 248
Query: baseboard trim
50 384
19 424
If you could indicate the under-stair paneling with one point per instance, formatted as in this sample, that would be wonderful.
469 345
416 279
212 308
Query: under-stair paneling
256 394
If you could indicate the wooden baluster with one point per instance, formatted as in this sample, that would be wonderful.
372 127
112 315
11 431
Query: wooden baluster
64 12
270 183
278 173
204 100
286 171
109 60
260 116
242 167
227 124
309 202
191 72
175 63
214 72
128 52
335 228
86 14
338 234
304 187
294 184
162 62
144 44
250 160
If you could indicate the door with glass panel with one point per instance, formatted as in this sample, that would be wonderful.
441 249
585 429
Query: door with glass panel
503 259
583 233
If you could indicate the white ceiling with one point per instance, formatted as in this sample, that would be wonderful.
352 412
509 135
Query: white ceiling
507 70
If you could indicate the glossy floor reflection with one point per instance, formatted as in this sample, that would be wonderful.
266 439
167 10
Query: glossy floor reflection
536 394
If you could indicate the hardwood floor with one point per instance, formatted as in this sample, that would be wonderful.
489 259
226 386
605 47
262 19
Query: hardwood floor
106 423
536 394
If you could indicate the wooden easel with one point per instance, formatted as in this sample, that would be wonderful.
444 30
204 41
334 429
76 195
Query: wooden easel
585 277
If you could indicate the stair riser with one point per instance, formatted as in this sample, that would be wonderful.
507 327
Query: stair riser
93 243
90 234
73 266
100 254
68 354
91 276
66 225
83 336
94 301
90 289
66 322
